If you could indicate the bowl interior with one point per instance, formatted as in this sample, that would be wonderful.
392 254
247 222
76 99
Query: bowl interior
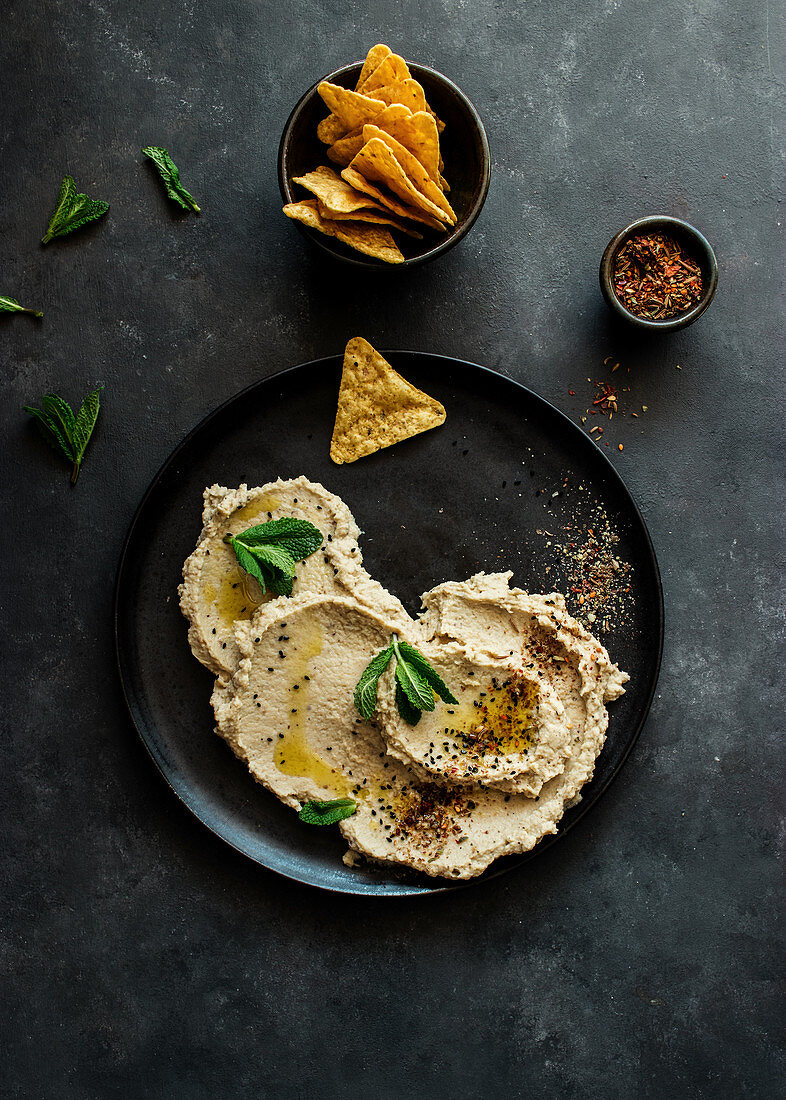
462 144
693 244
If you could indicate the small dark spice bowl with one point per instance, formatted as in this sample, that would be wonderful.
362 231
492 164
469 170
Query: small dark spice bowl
463 145
694 246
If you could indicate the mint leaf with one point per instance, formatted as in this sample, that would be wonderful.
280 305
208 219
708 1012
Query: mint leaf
298 536
410 714
414 686
85 422
327 813
10 305
72 211
59 411
415 658
280 583
171 177
63 430
270 550
250 564
367 685
51 432
279 560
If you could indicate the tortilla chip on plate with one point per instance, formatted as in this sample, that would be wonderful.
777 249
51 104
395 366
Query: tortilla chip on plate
334 193
377 407
414 170
376 163
392 203
372 240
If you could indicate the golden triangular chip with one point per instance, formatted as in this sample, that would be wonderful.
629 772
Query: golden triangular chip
391 70
377 164
372 240
334 193
414 170
376 406
374 58
390 201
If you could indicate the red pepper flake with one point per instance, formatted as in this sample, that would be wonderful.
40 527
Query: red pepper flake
654 278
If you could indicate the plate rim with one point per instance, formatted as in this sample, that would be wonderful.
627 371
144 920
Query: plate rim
405 889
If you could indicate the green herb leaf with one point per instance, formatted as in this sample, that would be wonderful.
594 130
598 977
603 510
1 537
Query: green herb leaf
414 686
327 813
270 550
250 564
298 536
410 714
66 432
415 679
171 177
367 685
415 658
280 583
10 305
72 211
85 422
277 558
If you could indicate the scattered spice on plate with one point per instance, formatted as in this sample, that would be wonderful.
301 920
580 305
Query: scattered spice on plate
654 278
594 578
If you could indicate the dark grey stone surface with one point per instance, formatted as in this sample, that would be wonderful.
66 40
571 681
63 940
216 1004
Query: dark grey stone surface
639 956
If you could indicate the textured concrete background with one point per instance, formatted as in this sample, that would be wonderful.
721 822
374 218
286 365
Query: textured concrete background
639 957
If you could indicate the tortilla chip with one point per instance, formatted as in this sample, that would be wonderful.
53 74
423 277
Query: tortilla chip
368 216
390 201
411 94
376 163
417 133
389 71
335 194
351 107
376 406
375 56
415 171
345 150
408 92
347 147
372 240
330 129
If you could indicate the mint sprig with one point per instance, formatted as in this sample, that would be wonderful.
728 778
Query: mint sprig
10 305
65 432
73 210
416 682
270 551
171 177
327 813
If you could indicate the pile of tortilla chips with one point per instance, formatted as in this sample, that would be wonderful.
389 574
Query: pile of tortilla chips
385 139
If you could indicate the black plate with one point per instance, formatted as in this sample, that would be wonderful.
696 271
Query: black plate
470 495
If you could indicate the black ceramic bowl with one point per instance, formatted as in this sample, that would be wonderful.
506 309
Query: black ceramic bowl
463 145
695 244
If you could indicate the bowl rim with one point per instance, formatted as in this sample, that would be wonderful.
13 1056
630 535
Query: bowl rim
452 236
706 257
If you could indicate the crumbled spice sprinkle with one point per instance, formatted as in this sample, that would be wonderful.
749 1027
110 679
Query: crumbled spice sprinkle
654 278
595 580
426 815
503 725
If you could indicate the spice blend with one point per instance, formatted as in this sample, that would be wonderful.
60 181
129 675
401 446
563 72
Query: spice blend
654 278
